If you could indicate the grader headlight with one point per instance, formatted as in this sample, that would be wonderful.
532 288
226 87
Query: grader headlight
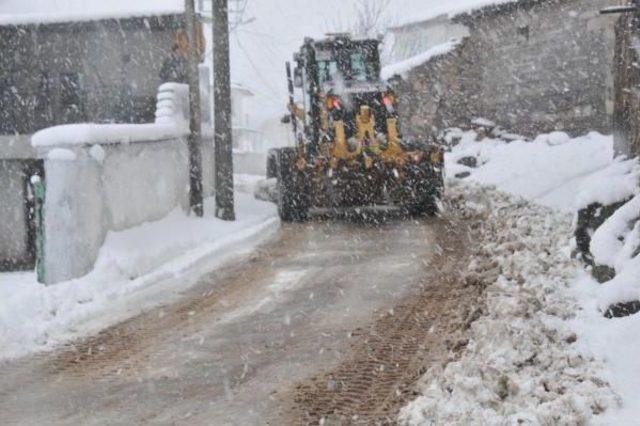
389 100
333 102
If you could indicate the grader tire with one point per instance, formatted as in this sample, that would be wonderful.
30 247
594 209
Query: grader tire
424 192
293 205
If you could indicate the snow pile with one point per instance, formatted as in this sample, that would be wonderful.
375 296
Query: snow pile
89 133
549 170
615 342
522 364
404 67
136 269
618 182
616 244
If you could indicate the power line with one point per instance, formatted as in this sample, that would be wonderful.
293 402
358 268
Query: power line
237 13
257 71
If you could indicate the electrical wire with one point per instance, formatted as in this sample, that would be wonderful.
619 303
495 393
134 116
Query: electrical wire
268 85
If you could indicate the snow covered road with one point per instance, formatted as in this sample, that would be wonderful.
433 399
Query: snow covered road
231 351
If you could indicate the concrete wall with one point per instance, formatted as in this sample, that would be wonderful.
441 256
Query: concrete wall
532 66
89 195
626 119
94 187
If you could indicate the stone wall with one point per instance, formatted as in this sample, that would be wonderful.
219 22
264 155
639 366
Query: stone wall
626 118
531 66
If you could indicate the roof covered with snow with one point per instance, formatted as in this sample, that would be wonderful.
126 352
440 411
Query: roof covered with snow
20 12
404 67
427 10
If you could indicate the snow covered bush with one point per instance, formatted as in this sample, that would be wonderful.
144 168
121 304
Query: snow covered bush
616 245
601 196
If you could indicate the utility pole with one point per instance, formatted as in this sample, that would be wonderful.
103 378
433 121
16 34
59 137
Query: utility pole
223 137
195 121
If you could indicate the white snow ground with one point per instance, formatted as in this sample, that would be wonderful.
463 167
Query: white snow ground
549 170
522 365
543 353
136 270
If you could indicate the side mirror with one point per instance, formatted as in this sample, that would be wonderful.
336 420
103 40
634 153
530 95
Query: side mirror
286 119
297 77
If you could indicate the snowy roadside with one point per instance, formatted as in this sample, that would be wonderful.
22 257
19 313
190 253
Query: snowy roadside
136 270
550 170
523 364
543 353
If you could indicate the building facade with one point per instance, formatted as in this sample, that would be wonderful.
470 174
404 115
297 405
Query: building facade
531 66
102 71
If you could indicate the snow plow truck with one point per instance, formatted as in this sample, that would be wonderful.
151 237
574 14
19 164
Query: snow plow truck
349 152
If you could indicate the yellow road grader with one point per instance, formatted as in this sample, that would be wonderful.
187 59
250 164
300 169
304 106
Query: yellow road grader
349 152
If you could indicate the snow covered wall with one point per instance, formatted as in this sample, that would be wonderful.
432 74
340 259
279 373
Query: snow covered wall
102 178
93 189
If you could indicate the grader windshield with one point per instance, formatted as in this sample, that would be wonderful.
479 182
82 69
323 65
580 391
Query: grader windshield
356 61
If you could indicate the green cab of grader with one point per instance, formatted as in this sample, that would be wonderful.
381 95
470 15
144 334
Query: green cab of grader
349 151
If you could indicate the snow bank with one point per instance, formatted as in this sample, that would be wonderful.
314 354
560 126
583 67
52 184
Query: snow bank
522 364
614 243
618 182
550 170
404 67
136 269
88 134
566 174
617 244
615 341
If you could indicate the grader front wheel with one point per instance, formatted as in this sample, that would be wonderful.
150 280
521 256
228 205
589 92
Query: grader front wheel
422 190
293 202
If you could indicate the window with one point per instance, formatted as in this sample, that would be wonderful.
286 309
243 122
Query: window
328 71
361 69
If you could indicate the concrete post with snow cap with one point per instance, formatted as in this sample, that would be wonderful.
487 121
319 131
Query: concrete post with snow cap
74 221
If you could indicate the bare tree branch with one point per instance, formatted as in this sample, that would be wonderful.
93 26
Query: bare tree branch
371 17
